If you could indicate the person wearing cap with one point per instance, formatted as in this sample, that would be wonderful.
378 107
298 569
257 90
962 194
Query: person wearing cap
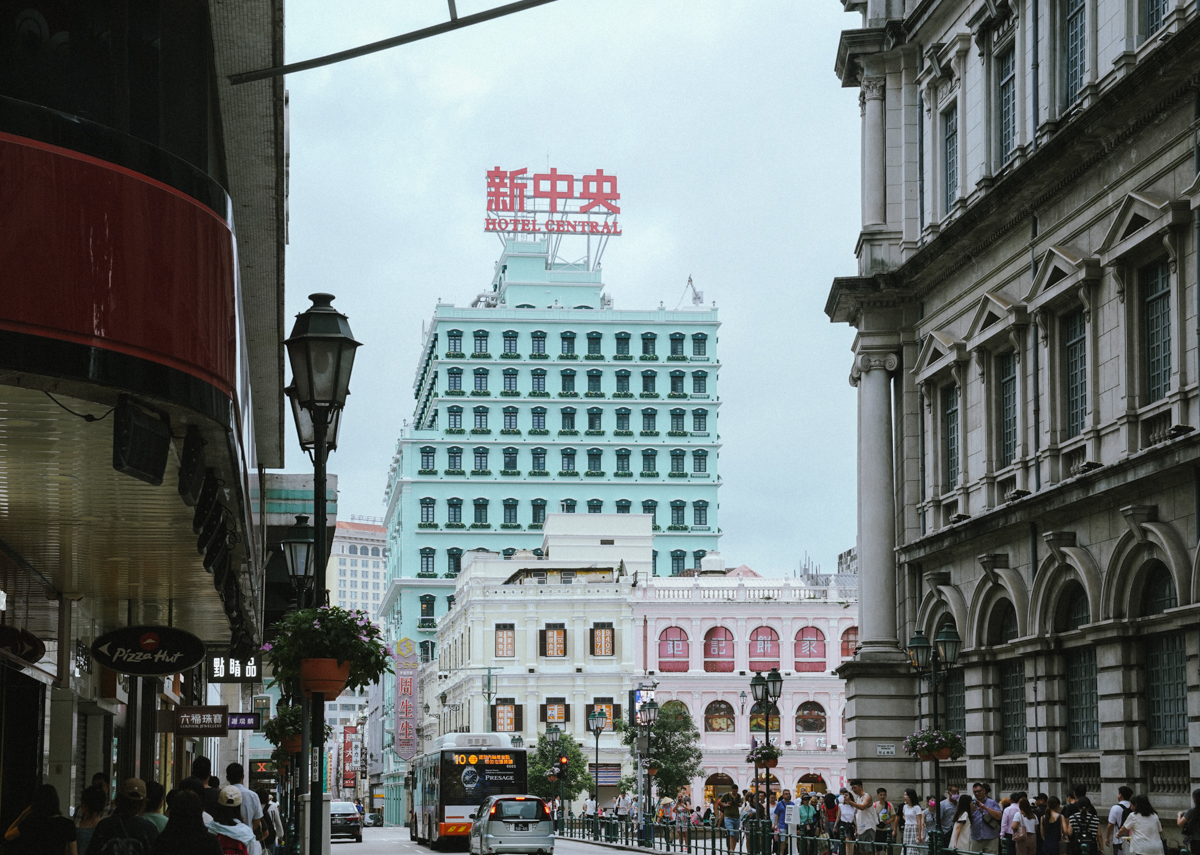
251 812
806 818
227 823
126 822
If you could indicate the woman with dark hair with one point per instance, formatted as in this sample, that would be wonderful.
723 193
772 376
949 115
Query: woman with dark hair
1085 827
1143 829
914 822
127 822
92 803
185 833
1056 830
44 830
1189 821
1025 828
960 836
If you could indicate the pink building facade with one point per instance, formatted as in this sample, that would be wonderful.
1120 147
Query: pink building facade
701 638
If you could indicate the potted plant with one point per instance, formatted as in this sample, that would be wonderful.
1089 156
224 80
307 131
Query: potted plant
327 650
765 755
285 728
931 744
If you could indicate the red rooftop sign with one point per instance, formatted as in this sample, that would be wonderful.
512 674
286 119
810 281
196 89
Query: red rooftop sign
552 202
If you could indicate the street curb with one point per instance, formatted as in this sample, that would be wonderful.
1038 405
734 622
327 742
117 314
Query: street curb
620 846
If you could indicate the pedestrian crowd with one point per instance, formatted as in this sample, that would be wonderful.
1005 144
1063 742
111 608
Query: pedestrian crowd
200 816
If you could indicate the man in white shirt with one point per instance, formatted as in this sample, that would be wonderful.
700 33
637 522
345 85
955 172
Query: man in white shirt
1116 817
250 811
273 817
866 817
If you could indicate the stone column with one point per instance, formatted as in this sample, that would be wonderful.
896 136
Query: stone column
876 505
874 177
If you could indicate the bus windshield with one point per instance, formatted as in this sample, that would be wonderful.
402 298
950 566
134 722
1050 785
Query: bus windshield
470 777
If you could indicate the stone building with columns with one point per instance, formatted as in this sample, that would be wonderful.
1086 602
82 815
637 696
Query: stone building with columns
1026 364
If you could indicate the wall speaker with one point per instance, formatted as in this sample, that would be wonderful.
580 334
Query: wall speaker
207 504
191 467
212 529
141 441
218 549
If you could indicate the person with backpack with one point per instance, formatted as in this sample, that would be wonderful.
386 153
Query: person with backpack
1117 815
185 833
1024 827
1189 821
1085 828
235 837
1143 829
126 832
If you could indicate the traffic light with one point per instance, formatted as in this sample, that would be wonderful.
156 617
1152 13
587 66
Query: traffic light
564 763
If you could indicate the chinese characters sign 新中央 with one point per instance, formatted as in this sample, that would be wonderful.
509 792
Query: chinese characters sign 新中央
552 202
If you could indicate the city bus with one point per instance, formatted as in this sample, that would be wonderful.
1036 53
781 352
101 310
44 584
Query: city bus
453 778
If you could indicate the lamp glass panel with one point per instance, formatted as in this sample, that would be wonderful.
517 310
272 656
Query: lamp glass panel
758 687
949 642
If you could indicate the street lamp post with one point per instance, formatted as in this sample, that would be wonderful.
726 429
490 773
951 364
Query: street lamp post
553 735
321 352
297 548
926 659
597 721
647 715
766 691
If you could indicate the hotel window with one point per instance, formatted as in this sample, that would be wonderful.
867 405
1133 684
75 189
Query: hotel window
481 338
510 511
507 716
454 380
677 508
602 638
428 457
510 379
510 342
427 604
1156 13
594 377
1155 281
427 560
677 383
677 421
481 418
673 650
1074 331
556 711
595 506
568 460
595 419
568 343
506 639
650 506
649 418
1012 708
539 511
950 156
481 379
481 458
699 382
648 343
678 559
539 460
538 379
595 460
699 461
649 458
552 641
648 378
537 342
700 513
567 506
810 650
454 510
950 434
1006 371
481 506
510 458
510 418
622 344
539 418
623 505
568 418
454 418
764 649
454 341
427 510
654 562
1083 707
622 419
700 421
594 339
454 458
568 380
622 459
699 344
1075 46
1006 102
622 381
454 561
677 456
677 344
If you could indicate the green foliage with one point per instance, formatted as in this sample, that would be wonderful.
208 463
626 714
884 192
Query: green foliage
674 747
627 785
544 756
328 633
288 721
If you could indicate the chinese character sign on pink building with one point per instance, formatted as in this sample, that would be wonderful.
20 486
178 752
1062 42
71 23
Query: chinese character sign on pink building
406 699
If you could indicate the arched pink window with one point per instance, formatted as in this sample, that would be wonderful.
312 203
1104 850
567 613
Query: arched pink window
764 649
718 649
673 650
849 642
810 649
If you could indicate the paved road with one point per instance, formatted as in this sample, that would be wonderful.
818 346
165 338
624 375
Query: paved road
394 841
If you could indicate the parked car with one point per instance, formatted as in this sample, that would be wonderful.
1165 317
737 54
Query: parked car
512 824
373 820
344 821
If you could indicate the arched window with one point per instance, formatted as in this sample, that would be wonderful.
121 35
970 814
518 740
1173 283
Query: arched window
673 649
675 710
353 549
1158 591
718 649
810 718
849 642
374 551
719 718
810 649
1073 609
1002 628
758 718
764 649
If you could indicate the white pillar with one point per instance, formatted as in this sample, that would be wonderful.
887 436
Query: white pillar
875 154
876 506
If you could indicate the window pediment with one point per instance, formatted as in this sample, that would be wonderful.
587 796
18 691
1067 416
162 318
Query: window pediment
1064 273
940 352
1142 217
996 318
1192 193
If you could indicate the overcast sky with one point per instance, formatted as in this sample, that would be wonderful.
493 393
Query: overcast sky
737 156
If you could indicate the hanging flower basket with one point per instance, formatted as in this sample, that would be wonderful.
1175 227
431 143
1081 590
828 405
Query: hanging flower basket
765 755
929 744
653 770
292 744
285 728
769 764
940 754
347 639
327 676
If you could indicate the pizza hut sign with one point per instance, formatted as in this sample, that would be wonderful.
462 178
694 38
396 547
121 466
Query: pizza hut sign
148 651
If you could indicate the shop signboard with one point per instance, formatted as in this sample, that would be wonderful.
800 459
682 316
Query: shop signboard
223 666
202 721
148 651
407 699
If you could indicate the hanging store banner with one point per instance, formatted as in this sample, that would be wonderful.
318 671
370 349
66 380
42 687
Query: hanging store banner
202 721
407 699
552 202
224 667
245 721
148 651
